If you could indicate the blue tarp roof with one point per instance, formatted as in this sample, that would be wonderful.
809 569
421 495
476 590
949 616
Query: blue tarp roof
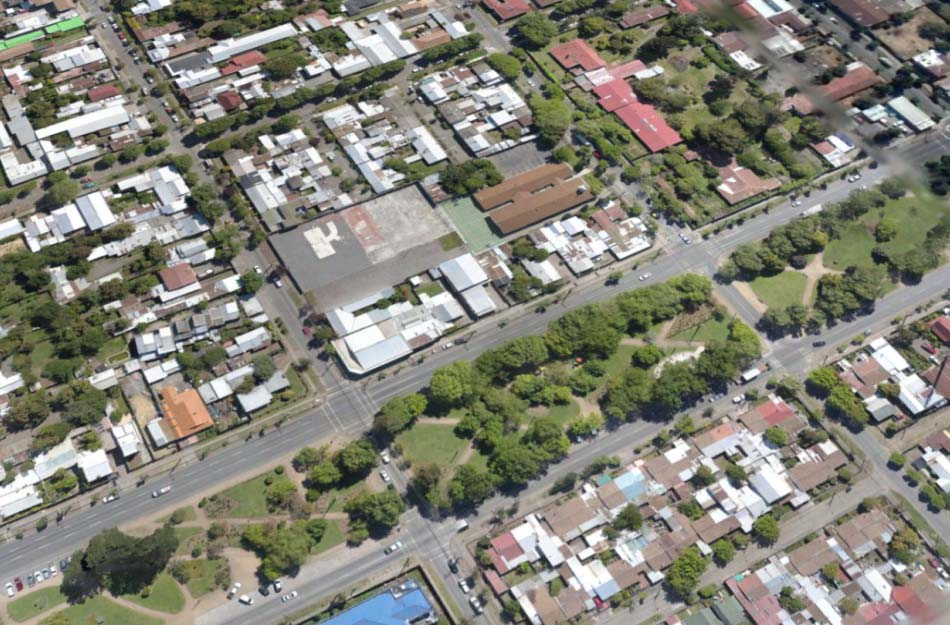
632 484
607 590
384 609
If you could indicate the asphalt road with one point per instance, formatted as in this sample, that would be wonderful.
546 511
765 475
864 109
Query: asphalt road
350 405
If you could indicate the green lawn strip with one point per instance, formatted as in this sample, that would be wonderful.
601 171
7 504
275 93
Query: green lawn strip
40 355
35 603
189 514
851 249
332 537
164 596
431 442
781 290
710 330
202 573
562 413
109 611
338 497
478 460
619 360
249 496
184 536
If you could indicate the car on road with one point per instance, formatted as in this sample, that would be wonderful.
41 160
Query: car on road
307 331
52 570
453 565
685 238
29 580
258 270
164 490
644 276
737 399
278 585
110 497
11 591
246 600
386 479
396 546
234 589
90 185
796 202
819 344
854 177
476 604
384 456
18 583
289 596
463 584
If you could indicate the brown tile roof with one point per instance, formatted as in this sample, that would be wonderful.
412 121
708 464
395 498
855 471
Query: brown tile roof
635 18
858 78
739 184
548 609
939 377
624 574
505 10
565 517
185 413
862 12
808 475
531 181
810 557
529 209
710 531
178 276
610 495
941 327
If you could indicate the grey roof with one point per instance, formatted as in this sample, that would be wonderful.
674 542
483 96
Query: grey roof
463 272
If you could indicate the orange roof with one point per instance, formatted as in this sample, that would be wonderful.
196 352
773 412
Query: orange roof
184 412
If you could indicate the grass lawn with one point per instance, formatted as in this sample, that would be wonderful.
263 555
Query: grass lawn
35 603
710 330
109 611
431 442
337 498
249 496
188 514
331 538
40 355
201 575
619 361
478 460
781 290
914 216
185 536
563 413
113 347
165 596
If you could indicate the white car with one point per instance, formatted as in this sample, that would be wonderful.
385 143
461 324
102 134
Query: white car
278 283
384 456
463 584
289 596
386 479
396 546
246 599
11 591
685 238
258 270
234 589
164 490
110 497
645 276
737 399
796 203
52 570
278 585
38 576
476 605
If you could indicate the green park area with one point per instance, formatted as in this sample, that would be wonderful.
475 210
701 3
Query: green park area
202 575
35 603
434 443
102 610
249 499
163 595
910 216
780 290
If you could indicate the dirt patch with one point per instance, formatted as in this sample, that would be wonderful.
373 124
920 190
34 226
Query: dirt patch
826 57
11 247
905 40
813 272
243 566
685 321
588 407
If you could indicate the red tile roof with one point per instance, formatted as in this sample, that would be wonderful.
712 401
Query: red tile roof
505 10
506 546
685 7
577 53
178 276
911 603
635 18
229 100
858 78
941 327
862 12
616 96
248 59
102 92
775 410
498 585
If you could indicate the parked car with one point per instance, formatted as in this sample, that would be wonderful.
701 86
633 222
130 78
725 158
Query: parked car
396 546
463 584
110 497
386 479
46 574
291 595
737 399
476 605
384 456
18 583
258 270
278 585
819 344
29 580
90 185
278 283
11 591
164 490
246 600
796 202
928 347
234 589
685 238
52 570
645 276
38 576
264 590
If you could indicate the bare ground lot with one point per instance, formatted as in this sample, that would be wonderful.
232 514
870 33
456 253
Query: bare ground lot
904 40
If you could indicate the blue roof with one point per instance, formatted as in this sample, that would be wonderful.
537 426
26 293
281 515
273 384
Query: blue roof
607 590
632 484
384 609
602 479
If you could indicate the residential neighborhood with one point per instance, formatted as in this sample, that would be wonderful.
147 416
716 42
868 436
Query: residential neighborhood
496 311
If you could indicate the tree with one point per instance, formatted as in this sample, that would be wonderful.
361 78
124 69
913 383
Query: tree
398 413
468 177
736 474
547 435
552 117
727 135
283 67
628 519
58 618
324 476
765 529
723 551
896 461
886 229
627 394
849 605
62 192
380 511
119 562
506 65
684 574
821 381
49 436
844 405
81 404
903 546
646 356
470 486
831 572
691 509
279 494
357 458
251 282
789 602
27 411
264 368
513 463
776 436
452 384
536 29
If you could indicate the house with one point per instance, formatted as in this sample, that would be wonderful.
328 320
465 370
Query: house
642 119
941 328
184 413
773 412
866 13
739 183
506 10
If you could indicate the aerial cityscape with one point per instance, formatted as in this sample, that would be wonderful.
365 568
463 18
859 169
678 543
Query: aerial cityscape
458 312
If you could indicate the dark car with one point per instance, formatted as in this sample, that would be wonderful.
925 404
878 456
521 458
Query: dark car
818 344
264 590
18 583
29 580
63 564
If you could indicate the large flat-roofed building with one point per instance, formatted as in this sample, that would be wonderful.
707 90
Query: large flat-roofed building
365 248
533 196
225 49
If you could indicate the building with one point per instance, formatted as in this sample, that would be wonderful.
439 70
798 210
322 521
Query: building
911 114
227 48
866 13
184 413
506 10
